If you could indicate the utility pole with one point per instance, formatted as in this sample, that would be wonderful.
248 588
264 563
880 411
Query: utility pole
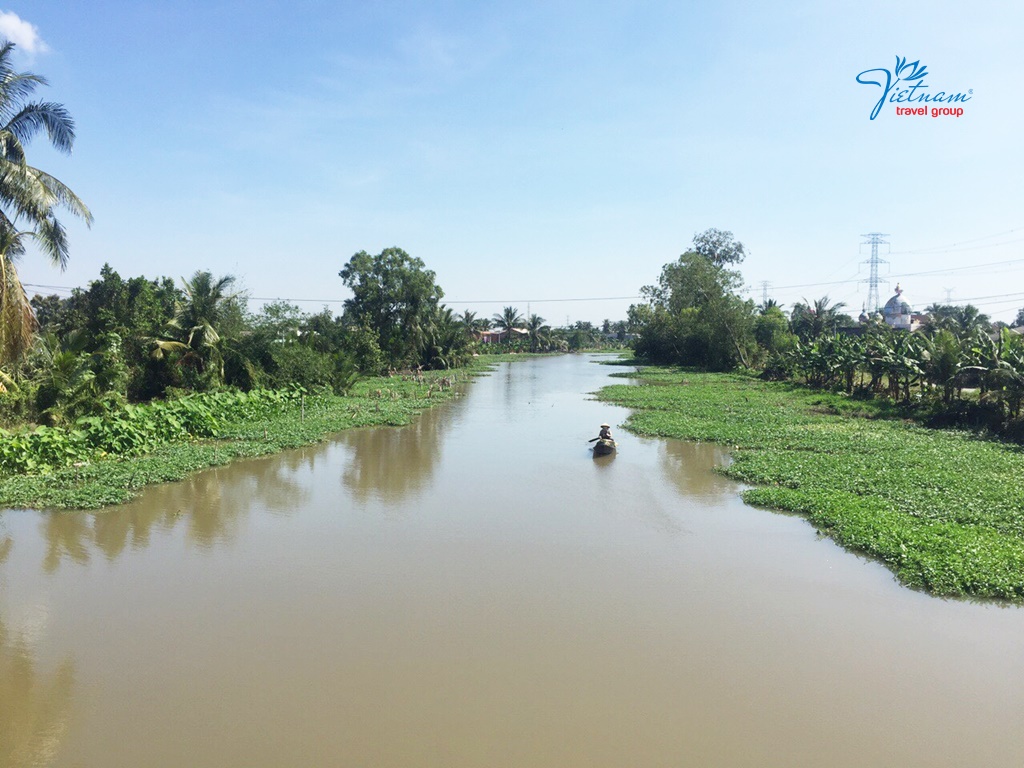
874 240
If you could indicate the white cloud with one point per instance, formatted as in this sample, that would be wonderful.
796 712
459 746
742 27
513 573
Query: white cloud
21 33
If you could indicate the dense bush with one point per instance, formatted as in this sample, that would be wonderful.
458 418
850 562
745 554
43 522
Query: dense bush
133 429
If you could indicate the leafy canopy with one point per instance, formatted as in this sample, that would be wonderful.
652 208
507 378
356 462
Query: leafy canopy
393 295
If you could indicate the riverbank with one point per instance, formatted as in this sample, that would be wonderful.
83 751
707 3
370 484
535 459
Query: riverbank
372 402
943 510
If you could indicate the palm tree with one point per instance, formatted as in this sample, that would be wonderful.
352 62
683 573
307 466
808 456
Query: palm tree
968 320
194 329
538 332
448 345
472 323
17 320
811 320
508 319
29 197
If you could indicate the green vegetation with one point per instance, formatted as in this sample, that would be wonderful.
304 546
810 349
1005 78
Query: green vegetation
396 303
695 317
105 461
943 510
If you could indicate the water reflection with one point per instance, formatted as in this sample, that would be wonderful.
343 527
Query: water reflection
689 467
67 536
563 610
34 709
211 506
391 464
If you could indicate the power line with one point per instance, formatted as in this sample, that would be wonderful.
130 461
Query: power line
813 285
447 301
933 252
50 287
1019 294
911 274
541 301
938 248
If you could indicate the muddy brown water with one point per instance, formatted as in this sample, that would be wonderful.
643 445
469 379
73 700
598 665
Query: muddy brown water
476 590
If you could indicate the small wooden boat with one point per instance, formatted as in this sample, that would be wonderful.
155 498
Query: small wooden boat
604 447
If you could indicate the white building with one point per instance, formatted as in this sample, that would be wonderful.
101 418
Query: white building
897 313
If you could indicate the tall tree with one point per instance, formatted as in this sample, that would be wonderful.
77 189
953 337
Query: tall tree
29 197
695 317
393 295
719 247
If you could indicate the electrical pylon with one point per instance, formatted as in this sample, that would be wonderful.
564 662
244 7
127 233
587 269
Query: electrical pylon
874 240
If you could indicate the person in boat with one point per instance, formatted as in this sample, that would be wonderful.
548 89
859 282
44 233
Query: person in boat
606 432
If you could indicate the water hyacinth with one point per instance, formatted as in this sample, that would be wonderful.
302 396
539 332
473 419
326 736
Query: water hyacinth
942 509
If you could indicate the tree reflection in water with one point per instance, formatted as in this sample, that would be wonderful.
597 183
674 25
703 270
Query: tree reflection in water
391 464
34 712
688 466
212 505
67 535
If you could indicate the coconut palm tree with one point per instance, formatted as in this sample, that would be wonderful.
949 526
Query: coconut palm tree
538 332
29 197
17 321
473 324
812 319
508 319
968 320
448 346
194 329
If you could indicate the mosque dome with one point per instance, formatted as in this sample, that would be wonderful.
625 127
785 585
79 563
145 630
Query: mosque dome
896 305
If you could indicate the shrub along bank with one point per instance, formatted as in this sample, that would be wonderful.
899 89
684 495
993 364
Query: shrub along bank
106 460
943 510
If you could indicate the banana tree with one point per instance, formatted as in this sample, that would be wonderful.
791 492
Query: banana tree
999 364
942 358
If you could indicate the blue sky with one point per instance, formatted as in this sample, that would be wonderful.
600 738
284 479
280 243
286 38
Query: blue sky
533 151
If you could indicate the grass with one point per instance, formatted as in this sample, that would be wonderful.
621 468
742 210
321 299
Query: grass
381 401
943 510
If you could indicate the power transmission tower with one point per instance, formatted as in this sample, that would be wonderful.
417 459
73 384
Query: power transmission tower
764 292
874 240
949 295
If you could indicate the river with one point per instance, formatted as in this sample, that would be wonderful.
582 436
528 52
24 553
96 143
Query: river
476 590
